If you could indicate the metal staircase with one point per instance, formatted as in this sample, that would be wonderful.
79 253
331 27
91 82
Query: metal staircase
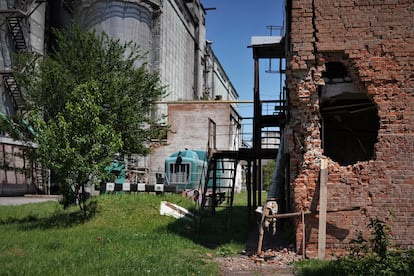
218 190
15 23
16 19
14 90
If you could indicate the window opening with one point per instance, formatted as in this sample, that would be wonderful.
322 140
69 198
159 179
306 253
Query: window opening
350 119
180 173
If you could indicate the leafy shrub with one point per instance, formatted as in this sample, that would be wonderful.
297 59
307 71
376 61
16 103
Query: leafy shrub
394 263
367 257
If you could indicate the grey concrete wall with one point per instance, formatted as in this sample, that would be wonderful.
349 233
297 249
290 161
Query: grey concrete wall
37 28
177 49
189 129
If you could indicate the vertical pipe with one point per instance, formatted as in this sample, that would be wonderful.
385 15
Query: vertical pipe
287 183
254 184
256 133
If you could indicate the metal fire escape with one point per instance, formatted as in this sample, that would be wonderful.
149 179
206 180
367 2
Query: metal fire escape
218 190
265 120
219 181
219 185
16 18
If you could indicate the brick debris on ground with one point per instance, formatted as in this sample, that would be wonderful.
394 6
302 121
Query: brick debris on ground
270 262
276 258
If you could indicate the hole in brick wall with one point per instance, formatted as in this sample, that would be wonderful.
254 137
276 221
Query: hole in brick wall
350 119
335 70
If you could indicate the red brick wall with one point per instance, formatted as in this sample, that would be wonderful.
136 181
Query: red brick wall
376 39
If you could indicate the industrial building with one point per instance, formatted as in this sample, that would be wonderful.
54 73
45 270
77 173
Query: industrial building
343 115
170 33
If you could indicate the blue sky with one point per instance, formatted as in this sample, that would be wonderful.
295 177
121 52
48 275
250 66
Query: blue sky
230 27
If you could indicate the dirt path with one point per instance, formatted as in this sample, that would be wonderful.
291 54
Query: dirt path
275 259
244 265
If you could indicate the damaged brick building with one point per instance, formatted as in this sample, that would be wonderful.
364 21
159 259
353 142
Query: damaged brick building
350 83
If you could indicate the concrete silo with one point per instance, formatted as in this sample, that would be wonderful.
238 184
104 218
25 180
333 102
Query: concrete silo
124 20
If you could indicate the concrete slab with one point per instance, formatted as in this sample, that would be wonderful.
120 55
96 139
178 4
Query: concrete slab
19 200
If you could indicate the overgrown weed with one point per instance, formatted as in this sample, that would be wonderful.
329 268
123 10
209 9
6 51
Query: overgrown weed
367 257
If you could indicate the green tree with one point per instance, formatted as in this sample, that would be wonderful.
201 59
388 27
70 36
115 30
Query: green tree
88 100
16 126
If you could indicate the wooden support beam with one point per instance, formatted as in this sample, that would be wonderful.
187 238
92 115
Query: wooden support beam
323 198
303 236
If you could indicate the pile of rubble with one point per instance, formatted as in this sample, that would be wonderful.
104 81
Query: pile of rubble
279 257
269 262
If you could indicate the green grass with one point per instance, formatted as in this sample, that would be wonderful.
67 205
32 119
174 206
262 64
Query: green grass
125 235
315 267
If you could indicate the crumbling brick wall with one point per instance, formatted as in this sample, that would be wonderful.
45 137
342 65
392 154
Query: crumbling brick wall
375 39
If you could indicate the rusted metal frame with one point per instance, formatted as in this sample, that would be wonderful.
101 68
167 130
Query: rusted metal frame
213 198
295 214
266 216
233 179
289 215
257 135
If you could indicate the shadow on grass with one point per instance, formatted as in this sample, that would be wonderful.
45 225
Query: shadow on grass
213 231
317 267
59 219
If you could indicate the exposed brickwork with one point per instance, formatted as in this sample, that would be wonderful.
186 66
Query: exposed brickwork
375 39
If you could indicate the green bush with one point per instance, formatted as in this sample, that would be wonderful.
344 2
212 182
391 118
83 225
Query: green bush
367 257
393 263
